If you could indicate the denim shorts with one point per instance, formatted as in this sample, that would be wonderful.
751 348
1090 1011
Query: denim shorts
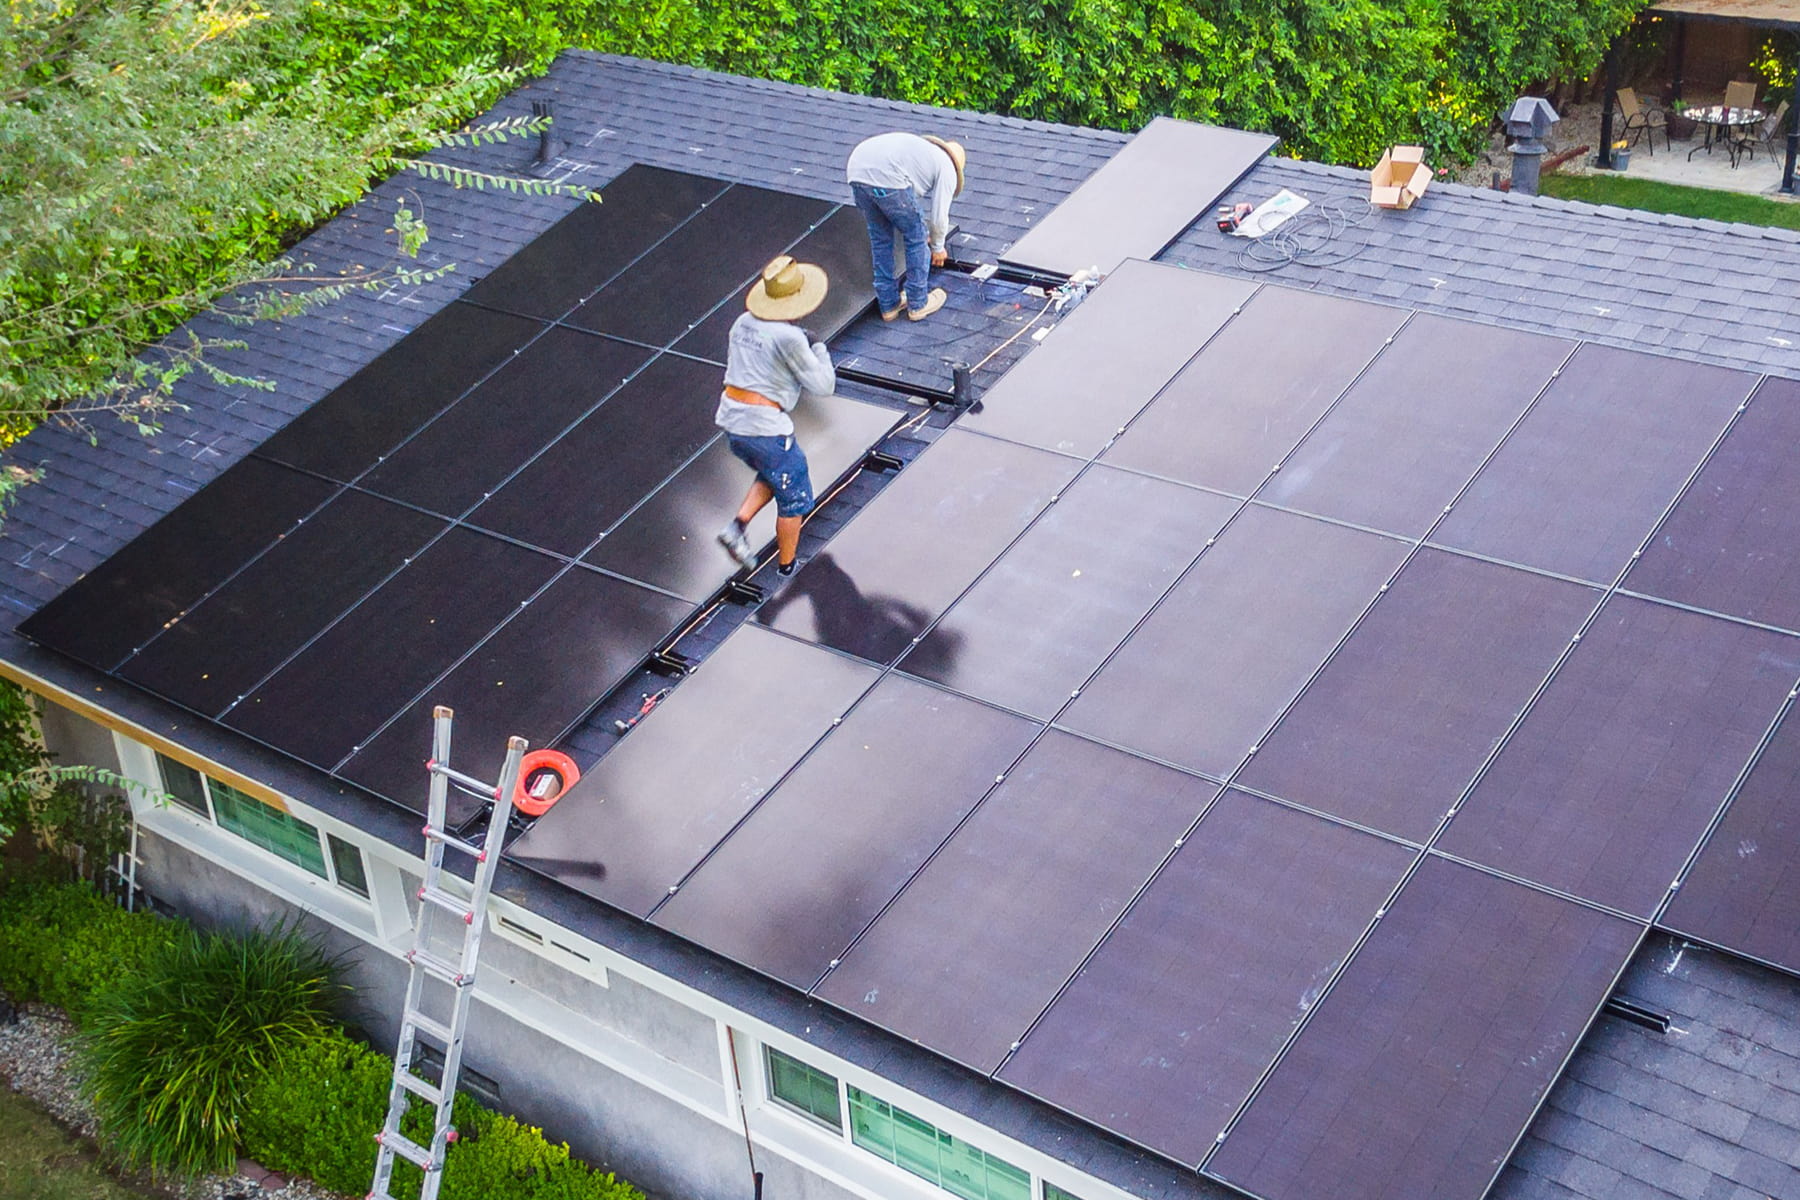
780 463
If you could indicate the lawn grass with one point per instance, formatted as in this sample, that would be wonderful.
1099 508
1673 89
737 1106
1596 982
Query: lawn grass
1673 198
40 1160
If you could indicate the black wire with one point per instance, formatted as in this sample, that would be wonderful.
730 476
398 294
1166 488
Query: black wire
1322 235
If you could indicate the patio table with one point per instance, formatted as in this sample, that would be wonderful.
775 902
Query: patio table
1719 122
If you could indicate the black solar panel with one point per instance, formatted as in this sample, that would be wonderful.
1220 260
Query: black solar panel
645 815
1614 777
991 919
1727 546
1395 727
793 886
1420 1067
1584 478
1216 963
1215 664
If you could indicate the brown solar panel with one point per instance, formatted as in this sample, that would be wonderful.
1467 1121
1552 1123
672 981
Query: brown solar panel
1587 474
1398 446
1728 545
1744 891
1207 674
676 785
1613 778
1430 1053
1048 612
996 919
1191 997
1395 727
1102 363
790 890
1240 407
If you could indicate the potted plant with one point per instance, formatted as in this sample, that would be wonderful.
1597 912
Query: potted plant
1680 125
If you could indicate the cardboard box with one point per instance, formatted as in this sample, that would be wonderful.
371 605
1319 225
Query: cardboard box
1400 178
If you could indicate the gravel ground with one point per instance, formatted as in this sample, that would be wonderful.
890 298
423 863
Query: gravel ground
36 1061
1580 126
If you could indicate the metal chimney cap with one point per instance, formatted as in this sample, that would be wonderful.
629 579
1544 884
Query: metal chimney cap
1530 116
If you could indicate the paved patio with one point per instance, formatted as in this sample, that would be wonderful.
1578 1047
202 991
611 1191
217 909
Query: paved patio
1759 175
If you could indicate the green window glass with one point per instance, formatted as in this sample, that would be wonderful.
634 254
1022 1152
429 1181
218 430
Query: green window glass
184 786
1052 1192
802 1087
262 825
932 1154
347 861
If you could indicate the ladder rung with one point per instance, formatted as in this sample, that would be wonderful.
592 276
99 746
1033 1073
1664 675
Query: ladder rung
436 967
448 903
455 843
411 1151
480 787
424 1024
417 1086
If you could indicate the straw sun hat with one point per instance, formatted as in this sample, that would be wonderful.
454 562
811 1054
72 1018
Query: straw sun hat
957 156
787 291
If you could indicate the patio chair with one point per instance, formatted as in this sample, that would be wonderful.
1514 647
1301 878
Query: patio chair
1767 133
1640 119
1740 94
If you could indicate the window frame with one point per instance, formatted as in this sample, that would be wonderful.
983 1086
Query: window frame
815 1075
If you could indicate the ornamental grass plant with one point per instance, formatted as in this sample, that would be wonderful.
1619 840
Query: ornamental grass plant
170 1053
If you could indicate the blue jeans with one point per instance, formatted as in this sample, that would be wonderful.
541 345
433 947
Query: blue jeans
891 211
780 463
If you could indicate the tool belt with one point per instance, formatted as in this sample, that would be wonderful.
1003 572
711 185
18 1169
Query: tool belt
746 396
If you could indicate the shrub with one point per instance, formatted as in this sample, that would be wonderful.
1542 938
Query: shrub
170 1052
61 943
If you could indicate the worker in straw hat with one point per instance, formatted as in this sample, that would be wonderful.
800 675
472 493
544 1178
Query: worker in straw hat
769 366
903 183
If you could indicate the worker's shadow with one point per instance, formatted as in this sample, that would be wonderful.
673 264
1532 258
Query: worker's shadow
873 627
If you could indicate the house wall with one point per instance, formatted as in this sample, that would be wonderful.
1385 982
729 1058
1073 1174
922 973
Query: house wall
638 1072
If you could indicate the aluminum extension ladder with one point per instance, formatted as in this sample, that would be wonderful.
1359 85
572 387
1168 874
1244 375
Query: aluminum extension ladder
455 973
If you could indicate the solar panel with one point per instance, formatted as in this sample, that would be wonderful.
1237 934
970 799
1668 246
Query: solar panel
668 541
1053 606
1581 482
364 418
1201 680
1237 410
705 262
1191 997
537 675
792 887
126 600
1425 1060
469 450
640 819
1613 778
1393 453
917 545
1744 892
840 245
992 919
1726 546
223 647
1397 724
1098 367
1142 199
333 697
585 249
616 455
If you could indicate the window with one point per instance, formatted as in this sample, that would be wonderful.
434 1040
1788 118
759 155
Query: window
281 834
930 1153
1052 1192
807 1089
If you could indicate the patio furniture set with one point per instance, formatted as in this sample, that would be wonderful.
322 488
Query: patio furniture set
1737 123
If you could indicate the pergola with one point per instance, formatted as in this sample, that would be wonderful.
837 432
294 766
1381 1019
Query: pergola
1764 14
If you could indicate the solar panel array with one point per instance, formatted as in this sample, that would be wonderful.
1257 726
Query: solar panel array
1265 729
507 512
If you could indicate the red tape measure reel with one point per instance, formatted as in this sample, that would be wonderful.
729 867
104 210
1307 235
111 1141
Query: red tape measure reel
544 776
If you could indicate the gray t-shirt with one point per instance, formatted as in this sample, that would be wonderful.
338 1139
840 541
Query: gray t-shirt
772 359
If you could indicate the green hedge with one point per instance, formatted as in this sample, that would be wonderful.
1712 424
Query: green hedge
62 944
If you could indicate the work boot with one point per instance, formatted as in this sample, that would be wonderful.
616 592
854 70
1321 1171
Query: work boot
933 302
737 545
888 314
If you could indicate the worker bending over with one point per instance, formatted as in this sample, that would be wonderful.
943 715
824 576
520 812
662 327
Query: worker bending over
769 366
903 183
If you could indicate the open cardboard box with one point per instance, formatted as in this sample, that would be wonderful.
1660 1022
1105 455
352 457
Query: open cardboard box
1400 178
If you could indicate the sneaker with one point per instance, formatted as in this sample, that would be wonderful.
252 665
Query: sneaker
933 302
888 314
787 568
737 545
